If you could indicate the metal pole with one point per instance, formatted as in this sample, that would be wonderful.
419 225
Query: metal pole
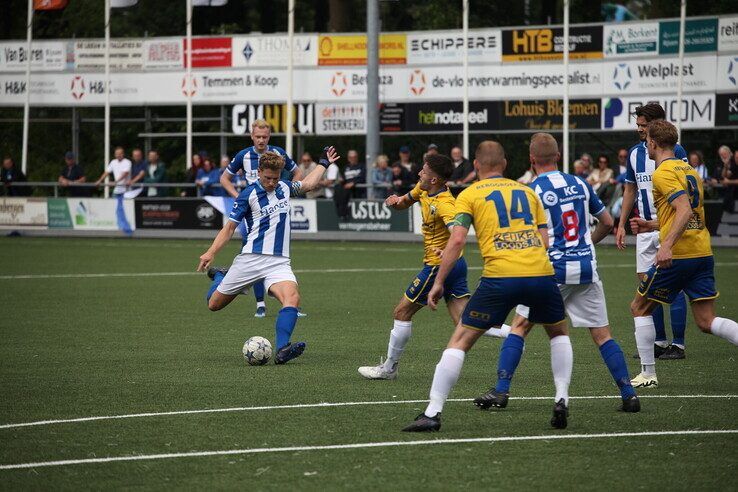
680 82
27 103
106 153
223 130
148 129
290 65
465 36
372 68
565 115
75 133
188 85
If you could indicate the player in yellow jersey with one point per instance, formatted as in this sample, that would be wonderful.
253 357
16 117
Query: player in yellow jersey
512 231
684 260
438 212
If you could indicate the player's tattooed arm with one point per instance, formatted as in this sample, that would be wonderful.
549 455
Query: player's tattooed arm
312 180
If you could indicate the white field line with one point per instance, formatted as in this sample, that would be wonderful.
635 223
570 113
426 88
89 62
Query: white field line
364 445
315 405
308 270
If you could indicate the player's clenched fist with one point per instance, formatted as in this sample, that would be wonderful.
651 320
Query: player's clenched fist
392 200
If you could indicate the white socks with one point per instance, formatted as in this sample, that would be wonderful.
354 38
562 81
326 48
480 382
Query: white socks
645 335
725 328
447 373
260 304
562 361
399 337
501 332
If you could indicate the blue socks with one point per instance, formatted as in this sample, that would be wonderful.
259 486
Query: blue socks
259 291
286 320
658 323
217 279
679 318
510 354
615 361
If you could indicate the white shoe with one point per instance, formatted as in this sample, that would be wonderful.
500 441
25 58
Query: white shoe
377 372
643 381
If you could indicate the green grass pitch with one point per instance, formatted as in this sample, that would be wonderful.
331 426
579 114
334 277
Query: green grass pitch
77 342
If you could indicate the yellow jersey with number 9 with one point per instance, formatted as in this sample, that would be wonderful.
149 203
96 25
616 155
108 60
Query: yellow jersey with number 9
438 212
672 179
506 217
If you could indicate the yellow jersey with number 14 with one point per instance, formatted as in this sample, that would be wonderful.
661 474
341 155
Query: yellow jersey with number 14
438 212
506 217
672 179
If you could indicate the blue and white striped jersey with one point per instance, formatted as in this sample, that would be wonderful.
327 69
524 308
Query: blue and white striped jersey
640 170
570 203
248 161
267 217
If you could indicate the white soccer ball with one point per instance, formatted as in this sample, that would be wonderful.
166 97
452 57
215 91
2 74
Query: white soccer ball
257 351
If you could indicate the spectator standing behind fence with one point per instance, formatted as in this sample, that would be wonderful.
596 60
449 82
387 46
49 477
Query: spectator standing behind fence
463 169
306 165
402 180
72 174
191 175
381 177
11 174
138 173
730 181
622 161
407 163
120 168
697 161
587 162
580 169
331 179
354 175
601 176
156 172
725 156
206 177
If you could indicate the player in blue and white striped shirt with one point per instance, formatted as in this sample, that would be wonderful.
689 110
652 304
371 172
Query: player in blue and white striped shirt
570 203
246 163
264 205
639 190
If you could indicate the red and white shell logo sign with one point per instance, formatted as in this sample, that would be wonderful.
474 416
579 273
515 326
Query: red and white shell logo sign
191 88
339 84
77 87
417 82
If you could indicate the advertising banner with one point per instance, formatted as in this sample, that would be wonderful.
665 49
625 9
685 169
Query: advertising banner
449 116
45 56
162 53
727 73
182 213
273 51
23 212
726 111
447 47
631 39
209 52
125 54
274 114
391 117
364 215
94 214
350 49
340 119
303 216
548 114
700 35
547 43
728 34
660 75
698 111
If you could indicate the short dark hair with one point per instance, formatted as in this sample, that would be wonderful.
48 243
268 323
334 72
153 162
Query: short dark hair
663 133
603 156
441 165
651 111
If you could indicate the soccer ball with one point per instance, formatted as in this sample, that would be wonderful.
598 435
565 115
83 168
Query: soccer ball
257 351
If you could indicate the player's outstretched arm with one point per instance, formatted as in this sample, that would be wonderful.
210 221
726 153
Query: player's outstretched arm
450 254
399 202
313 179
604 226
629 196
220 240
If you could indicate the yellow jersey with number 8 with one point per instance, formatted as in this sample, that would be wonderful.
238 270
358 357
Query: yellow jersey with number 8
506 217
672 179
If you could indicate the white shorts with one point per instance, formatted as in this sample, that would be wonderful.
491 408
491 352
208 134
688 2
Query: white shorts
585 305
249 268
647 244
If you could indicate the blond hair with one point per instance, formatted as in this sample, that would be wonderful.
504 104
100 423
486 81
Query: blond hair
260 124
490 154
271 160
